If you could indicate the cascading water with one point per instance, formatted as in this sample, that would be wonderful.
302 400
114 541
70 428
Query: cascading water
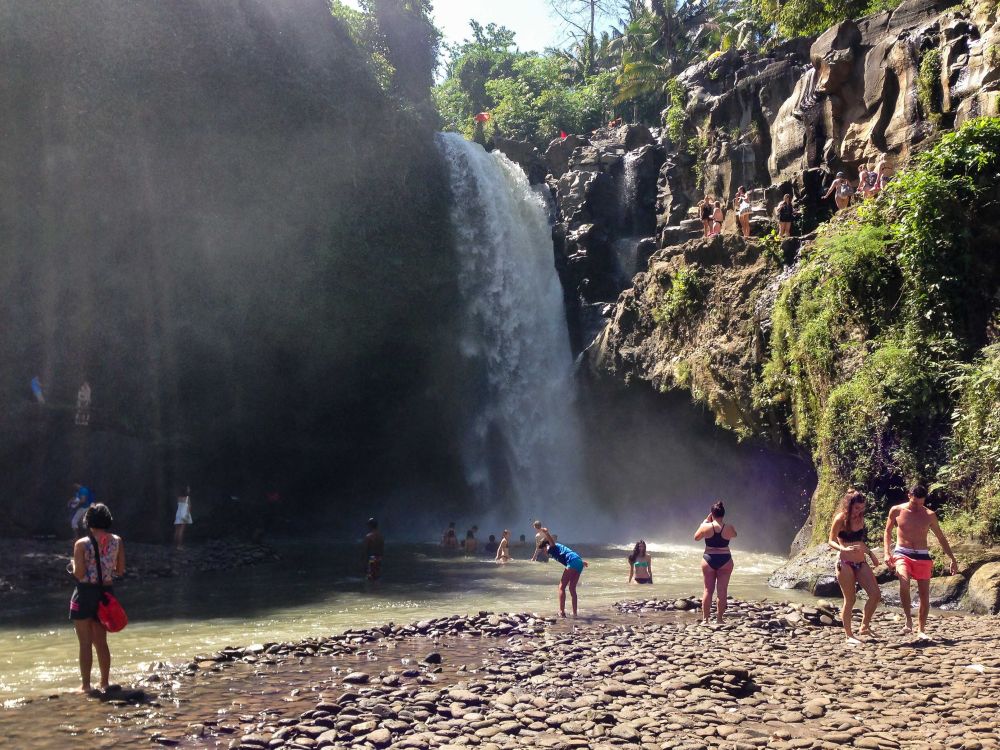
628 193
523 454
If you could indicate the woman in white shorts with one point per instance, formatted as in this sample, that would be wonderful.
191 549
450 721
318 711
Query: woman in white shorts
183 517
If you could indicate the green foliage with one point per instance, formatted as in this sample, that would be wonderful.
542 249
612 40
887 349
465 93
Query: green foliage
796 18
529 96
683 297
932 208
401 43
771 247
929 85
972 473
675 117
869 335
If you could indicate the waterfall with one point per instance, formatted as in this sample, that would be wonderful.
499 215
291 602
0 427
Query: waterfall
523 451
628 193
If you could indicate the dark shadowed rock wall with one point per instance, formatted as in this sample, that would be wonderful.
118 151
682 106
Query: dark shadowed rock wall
211 212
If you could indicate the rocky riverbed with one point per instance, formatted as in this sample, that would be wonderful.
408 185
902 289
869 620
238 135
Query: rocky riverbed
645 676
28 564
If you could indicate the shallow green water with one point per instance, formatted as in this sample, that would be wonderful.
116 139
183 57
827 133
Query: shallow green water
317 589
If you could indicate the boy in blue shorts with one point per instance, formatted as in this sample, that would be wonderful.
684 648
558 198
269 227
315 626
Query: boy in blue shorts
573 563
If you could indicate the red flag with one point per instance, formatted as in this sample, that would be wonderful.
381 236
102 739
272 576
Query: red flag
562 134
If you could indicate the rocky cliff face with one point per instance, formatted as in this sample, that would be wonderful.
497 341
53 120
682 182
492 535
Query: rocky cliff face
699 316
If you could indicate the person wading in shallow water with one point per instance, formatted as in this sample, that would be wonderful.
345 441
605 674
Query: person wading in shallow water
503 550
574 565
374 550
847 536
911 558
640 564
83 604
717 562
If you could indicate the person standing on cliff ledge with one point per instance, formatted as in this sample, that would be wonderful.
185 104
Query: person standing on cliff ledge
911 558
841 191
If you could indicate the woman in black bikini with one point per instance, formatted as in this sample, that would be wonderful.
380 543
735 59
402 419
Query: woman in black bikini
847 536
717 562
707 207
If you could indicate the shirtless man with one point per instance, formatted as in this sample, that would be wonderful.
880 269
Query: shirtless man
503 551
911 558
374 550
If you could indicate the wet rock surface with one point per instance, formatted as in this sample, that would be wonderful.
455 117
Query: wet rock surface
28 564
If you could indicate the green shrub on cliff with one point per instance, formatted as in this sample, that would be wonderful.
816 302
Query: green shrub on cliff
973 471
872 336
682 298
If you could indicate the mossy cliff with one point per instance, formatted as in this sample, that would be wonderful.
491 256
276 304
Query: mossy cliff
874 352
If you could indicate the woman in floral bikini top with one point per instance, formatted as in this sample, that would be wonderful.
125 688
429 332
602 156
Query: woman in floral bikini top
89 590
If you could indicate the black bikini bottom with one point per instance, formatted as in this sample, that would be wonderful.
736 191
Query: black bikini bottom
717 561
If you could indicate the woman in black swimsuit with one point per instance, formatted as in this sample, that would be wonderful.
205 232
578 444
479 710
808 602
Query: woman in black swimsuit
707 207
786 214
717 562
847 536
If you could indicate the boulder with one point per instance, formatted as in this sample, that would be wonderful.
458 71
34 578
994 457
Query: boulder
525 155
812 571
946 592
984 589
559 151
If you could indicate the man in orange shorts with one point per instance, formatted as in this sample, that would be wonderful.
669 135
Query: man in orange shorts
911 557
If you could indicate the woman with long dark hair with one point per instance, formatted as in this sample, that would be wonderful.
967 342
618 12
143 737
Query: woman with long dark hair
100 551
640 564
848 534
717 562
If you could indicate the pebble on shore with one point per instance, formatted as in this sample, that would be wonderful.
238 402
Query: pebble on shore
775 675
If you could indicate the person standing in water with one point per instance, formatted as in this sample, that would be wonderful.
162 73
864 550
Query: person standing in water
374 550
574 565
183 517
538 554
99 542
640 564
81 501
450 539
847 535
911 558
717 562
470 542
503 550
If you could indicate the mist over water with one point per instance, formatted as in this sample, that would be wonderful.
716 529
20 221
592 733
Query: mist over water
523 447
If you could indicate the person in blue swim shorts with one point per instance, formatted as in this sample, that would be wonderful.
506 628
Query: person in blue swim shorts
573 563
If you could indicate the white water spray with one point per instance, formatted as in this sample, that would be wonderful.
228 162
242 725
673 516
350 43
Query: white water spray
523 453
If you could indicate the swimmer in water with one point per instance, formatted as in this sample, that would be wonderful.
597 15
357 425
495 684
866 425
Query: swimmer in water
640 564
574 565
503 551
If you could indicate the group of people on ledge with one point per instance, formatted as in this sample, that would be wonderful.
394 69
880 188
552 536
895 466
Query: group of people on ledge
871 181
713 213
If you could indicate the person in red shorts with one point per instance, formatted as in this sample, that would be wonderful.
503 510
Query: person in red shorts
911 558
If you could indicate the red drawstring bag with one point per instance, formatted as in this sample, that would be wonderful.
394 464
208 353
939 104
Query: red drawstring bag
110 612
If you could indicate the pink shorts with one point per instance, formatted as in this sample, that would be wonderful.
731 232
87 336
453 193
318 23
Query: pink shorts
917 570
